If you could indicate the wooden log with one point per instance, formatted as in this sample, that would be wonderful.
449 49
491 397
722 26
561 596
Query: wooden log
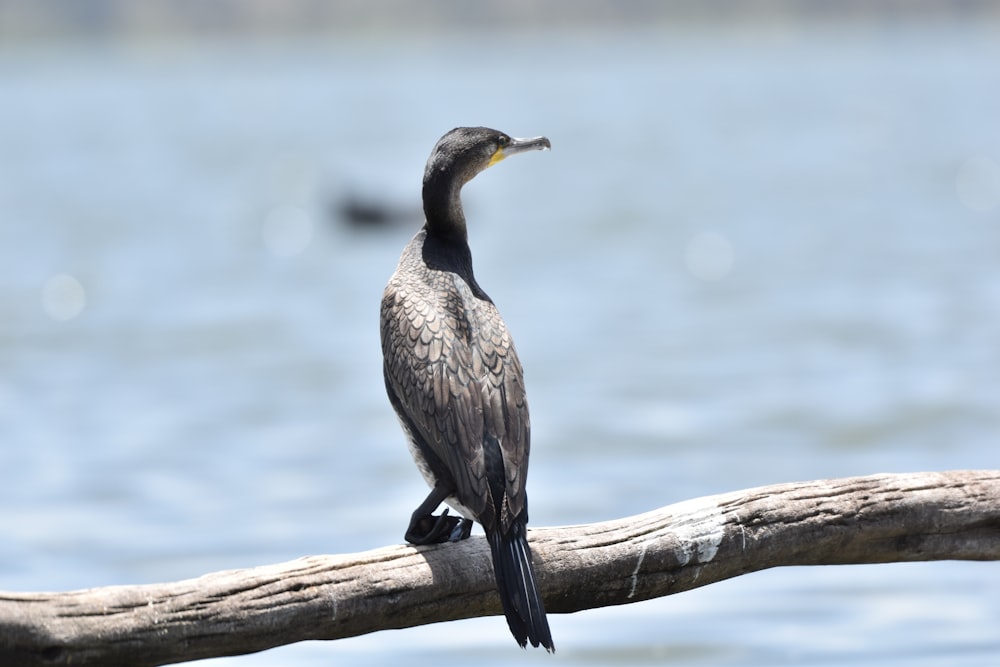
874 519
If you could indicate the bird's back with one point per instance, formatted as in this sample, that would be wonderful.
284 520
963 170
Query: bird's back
454 378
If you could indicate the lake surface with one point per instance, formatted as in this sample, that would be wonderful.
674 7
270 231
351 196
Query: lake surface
752 256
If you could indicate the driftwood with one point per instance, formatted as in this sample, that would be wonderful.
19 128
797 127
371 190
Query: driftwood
876 519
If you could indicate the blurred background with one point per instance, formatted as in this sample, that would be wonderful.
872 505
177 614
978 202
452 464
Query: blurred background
764 248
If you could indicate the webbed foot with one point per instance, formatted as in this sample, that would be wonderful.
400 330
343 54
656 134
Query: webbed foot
461 531
431 529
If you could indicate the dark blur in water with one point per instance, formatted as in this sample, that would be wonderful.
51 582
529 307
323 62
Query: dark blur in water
751 257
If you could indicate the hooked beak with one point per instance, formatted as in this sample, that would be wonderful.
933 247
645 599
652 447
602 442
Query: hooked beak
520 146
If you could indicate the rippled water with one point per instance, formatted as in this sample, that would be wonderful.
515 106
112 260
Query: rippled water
751 257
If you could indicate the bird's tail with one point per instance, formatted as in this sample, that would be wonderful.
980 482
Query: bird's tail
522 603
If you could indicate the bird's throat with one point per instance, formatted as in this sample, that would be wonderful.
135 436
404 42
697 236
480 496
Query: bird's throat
443 210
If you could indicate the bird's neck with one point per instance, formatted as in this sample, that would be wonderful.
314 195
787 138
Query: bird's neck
443 210
446 244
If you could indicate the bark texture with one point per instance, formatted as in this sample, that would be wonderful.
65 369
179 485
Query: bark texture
874 519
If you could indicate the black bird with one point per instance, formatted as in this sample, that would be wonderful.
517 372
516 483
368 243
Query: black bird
456 384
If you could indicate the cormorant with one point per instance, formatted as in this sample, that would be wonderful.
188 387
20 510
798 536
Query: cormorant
456 384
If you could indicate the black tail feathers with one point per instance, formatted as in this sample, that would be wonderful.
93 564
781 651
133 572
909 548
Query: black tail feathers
522 603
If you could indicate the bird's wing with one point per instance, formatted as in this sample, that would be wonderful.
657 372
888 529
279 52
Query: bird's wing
505 409
452 366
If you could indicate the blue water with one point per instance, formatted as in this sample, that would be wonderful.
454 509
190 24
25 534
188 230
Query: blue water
752 256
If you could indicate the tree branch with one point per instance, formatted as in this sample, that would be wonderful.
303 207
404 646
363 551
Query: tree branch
875 519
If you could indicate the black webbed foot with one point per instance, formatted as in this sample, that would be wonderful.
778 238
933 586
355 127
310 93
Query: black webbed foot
431 529
461 531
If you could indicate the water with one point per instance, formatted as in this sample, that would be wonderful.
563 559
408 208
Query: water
751 257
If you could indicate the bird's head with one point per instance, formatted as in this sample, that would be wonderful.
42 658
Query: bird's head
466 151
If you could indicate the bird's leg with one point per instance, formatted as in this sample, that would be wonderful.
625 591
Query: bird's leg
425 528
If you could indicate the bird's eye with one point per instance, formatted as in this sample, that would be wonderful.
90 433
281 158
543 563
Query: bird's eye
503 140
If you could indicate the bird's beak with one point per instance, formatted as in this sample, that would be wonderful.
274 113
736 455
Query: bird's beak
520 146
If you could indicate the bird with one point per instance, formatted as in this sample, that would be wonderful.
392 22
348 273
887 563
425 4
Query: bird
456 384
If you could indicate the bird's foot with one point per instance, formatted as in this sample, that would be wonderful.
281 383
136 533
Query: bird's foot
461 531
431 529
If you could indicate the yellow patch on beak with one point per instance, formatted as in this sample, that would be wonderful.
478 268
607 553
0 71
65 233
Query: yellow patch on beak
497 156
